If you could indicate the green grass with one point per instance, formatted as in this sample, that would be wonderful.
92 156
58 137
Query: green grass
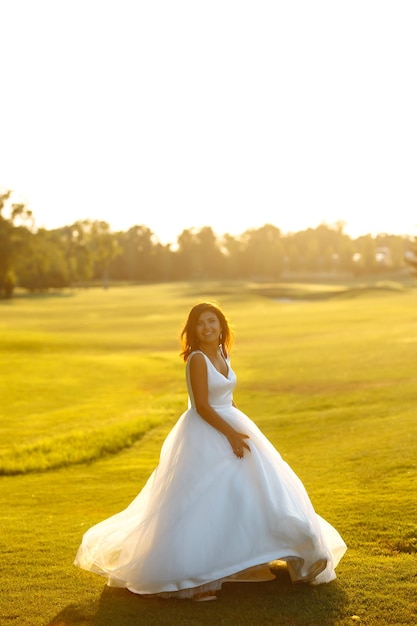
91 382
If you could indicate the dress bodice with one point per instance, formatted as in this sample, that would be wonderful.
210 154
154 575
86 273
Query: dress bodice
220 387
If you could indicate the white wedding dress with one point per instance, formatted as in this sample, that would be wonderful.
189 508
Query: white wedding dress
205 516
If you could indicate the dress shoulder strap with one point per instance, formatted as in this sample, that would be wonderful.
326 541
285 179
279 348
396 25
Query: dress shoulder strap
196 352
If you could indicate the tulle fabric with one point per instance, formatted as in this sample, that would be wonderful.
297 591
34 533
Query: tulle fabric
204 516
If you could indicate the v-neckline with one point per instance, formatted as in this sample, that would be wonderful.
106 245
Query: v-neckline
226 376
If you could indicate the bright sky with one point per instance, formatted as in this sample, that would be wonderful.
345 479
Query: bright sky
232 114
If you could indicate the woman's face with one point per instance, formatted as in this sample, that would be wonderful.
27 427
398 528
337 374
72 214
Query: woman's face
208 327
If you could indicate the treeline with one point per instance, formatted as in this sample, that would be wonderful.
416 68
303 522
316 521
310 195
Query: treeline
87 251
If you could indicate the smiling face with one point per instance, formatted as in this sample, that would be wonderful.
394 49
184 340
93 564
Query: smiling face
206 323
208 328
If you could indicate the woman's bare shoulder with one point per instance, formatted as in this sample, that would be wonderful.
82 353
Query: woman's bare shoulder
197 360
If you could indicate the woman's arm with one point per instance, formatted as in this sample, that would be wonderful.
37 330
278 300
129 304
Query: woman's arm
199 385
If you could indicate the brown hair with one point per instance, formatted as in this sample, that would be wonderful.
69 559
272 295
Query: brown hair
189 341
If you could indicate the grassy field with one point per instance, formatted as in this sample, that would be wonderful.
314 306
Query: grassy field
91 382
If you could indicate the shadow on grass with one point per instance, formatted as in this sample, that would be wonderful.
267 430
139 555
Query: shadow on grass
267 603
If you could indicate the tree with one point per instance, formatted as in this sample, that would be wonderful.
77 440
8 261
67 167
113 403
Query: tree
43 265
410 256
365 255
210 254
74 239
89 247
137 254
233 251
104 248
199 255
15 219
187 259
263 255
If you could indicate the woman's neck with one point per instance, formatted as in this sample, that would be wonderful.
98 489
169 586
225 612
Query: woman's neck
211 350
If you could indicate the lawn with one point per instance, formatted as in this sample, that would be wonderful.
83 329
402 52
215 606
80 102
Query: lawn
91 382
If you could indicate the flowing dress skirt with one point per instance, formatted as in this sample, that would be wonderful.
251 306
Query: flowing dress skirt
204 516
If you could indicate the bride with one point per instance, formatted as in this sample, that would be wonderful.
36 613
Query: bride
221 504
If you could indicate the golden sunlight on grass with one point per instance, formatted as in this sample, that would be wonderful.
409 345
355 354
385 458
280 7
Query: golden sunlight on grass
93 383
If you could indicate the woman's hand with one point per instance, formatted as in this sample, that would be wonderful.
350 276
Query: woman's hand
238 444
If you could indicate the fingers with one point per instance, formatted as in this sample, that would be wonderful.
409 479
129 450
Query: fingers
238 448
238 444
243 443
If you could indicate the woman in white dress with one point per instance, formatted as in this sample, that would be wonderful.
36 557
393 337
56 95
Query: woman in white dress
221 504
